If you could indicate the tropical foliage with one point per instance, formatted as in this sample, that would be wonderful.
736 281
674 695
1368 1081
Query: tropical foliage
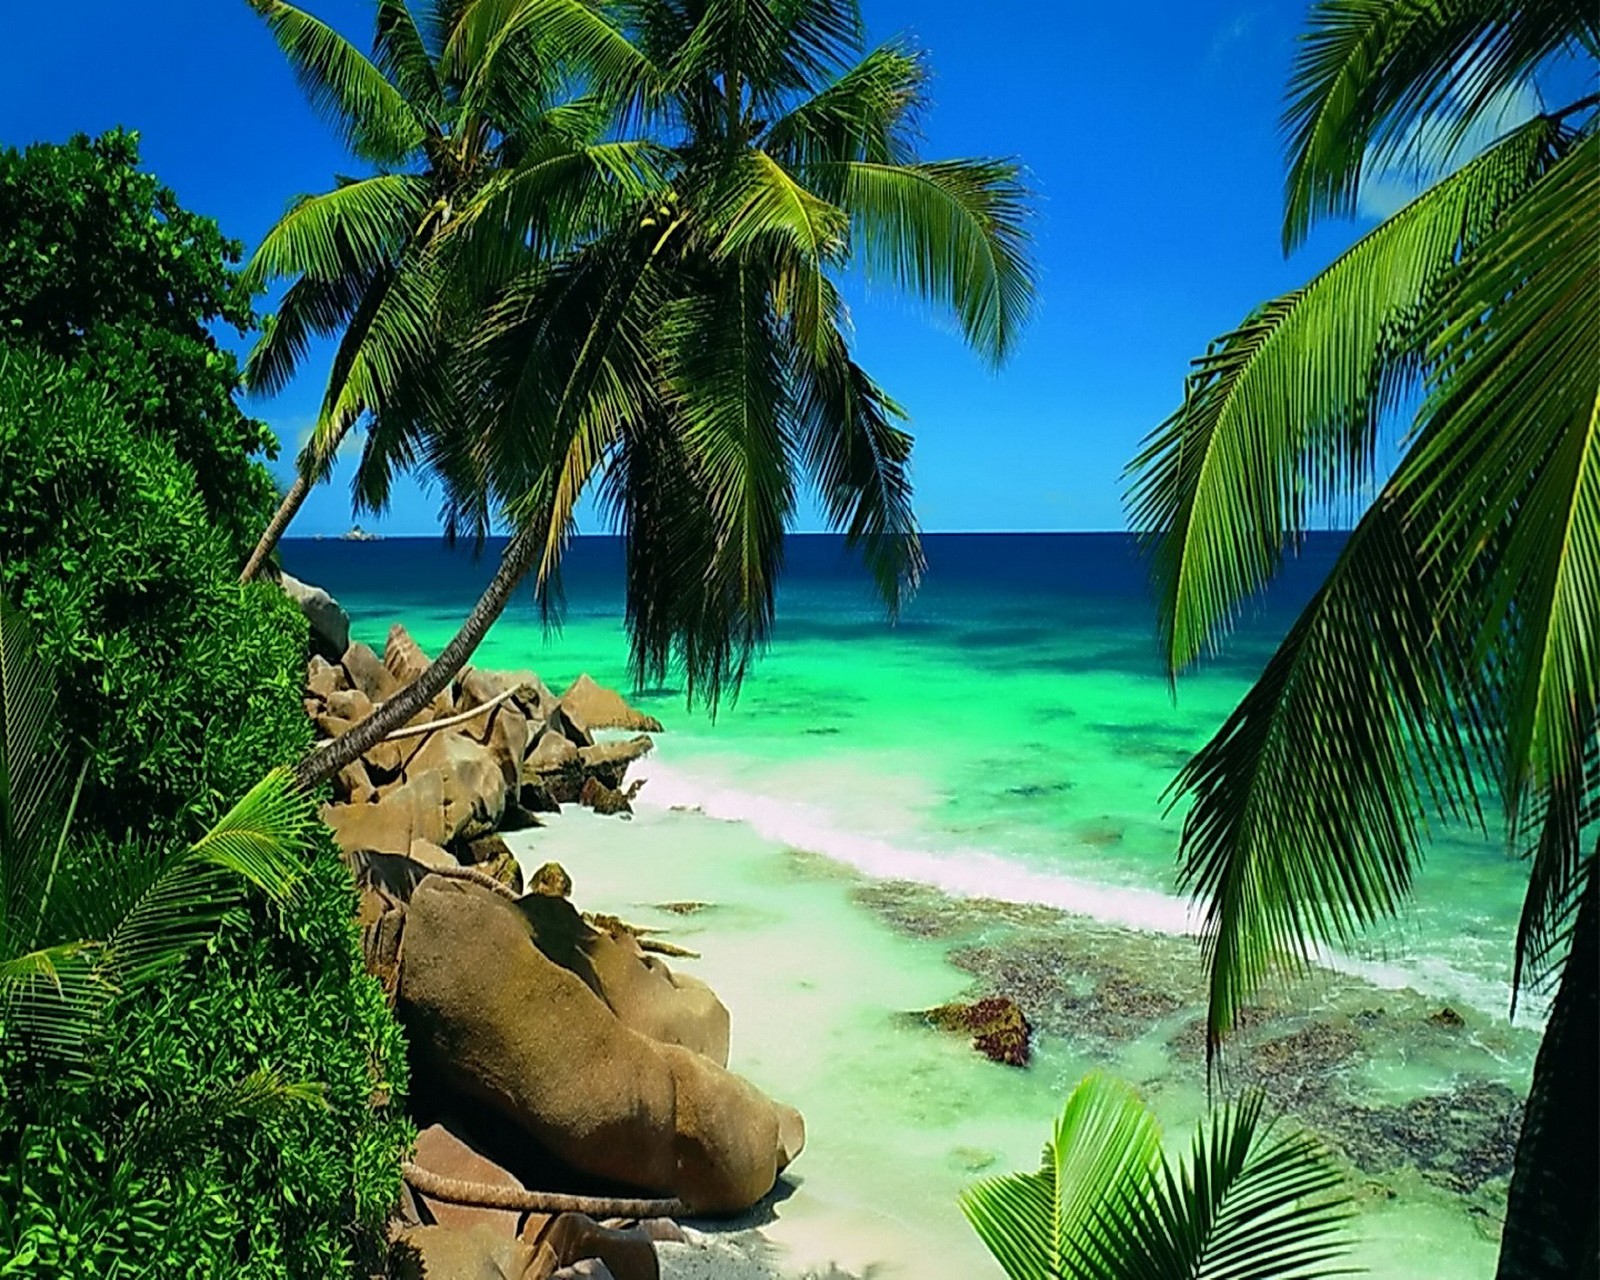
633 281
178 690
1451 662
482 140
100 265
1106 1204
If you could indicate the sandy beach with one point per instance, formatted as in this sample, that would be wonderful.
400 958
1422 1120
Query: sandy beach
823 970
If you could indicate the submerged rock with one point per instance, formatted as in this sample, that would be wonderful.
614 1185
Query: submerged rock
1000 1031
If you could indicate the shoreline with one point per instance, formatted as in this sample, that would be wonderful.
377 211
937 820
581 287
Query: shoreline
882 1089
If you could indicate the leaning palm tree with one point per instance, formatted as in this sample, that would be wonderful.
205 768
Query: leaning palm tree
691 365
487 138
1106 1204
1454 649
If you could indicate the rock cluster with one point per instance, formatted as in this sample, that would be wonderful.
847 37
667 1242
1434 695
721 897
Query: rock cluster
550 1050
439 794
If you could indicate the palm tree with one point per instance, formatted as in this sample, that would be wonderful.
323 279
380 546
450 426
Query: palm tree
482 138
715 376
691 362
1454 649
68 951
1106 1204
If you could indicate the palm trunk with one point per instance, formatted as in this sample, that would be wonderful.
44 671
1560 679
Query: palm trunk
328 759
1553 1212
287 509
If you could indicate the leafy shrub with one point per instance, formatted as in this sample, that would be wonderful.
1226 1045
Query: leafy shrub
100 265
183 689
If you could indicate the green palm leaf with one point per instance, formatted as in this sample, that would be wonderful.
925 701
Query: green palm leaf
953 232
257 842
351 230
33 780
1280 417
1515 443
167 1130
860 460
868 114
1246 1205
1040 1226
1373 75
1308 804
1107 1205
376 120
401 53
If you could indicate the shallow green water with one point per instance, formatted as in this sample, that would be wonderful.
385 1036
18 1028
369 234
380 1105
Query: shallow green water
1012 739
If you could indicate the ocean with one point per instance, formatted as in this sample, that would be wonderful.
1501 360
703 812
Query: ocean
1009 740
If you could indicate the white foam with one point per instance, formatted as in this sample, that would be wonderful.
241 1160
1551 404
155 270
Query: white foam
983 873
961 873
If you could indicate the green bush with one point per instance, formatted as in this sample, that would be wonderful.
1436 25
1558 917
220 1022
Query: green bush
182 689
100 265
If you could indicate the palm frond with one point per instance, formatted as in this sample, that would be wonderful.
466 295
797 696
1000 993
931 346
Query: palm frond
351 230
723 359
1309 801
1107 1205
1246 1205
1375 77
1514 419
372 115
953 232
167 1130
402 55
488 31
1280 418
860 460
310 308
867 114
33 778
1565 818
391 341
52 1000
257 842
1039 1226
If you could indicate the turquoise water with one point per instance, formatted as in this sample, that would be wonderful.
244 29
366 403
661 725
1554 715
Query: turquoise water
1012 738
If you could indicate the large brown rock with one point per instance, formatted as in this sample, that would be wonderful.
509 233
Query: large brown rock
531 695
406 662
353 785
365 671
412 811
474 789
500 1025
602 708
609 761
556 1240
450 1253
323 678
503 729
350 704
330 624
553 752
645 994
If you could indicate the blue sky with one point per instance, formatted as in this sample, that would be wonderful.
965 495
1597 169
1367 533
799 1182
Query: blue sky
1150 136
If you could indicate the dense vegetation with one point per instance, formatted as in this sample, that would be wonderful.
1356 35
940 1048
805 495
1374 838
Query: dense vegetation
1451 661
130 490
